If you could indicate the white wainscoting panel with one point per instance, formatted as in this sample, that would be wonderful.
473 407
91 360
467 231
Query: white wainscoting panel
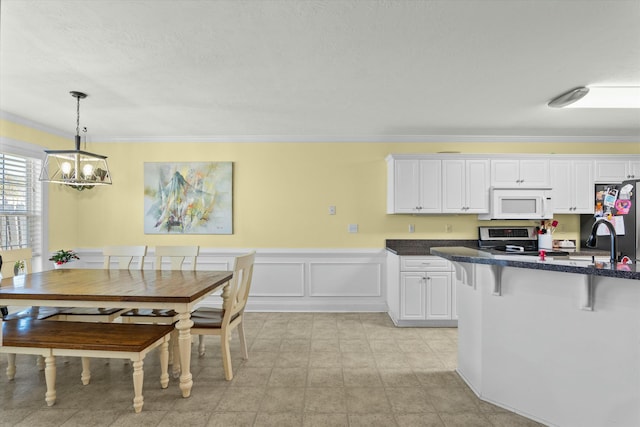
277 279
344 280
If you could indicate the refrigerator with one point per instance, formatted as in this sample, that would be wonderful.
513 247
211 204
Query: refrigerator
620 200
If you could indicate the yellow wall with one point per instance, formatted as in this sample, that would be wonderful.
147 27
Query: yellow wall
281 193
63 230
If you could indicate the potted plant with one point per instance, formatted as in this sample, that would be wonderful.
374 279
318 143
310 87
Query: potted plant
18 268
62 257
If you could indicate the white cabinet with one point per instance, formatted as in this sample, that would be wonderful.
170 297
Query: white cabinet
421 291
414 186
465 186
533 173
460 183
438 295
425 295
572 186
412 295
616 170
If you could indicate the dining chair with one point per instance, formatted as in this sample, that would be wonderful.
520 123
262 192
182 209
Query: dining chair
20 261
9 258
8 268
115 257
208 321
176 257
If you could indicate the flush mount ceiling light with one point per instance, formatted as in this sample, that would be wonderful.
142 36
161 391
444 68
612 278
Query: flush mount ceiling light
76 168
599 97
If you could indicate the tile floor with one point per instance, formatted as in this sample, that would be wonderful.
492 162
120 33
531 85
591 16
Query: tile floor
304 369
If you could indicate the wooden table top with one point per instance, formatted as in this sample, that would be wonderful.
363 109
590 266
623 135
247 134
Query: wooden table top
114 285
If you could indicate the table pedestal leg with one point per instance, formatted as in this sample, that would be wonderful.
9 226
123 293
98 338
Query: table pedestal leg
184 341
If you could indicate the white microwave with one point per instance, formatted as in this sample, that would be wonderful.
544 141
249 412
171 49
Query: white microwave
519 203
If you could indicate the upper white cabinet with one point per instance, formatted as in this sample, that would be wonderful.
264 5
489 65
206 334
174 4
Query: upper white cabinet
460 183
616 170
572 185
414 186
465 186
520 173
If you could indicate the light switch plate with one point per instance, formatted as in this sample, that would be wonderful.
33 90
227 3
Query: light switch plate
332 210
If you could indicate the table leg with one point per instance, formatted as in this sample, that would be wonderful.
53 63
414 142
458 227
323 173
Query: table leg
85 376
164 364
226 289
138 380
50 379
11 366
184 341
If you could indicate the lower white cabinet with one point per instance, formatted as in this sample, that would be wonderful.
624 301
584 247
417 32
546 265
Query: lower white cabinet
421 291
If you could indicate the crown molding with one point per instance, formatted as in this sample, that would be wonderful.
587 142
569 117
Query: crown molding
34 125
373 139
331 138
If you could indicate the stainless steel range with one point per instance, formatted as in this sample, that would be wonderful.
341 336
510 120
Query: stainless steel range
512 240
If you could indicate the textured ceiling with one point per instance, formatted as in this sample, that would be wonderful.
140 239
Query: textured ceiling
317 70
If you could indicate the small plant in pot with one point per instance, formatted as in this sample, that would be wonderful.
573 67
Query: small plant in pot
62 257
18 268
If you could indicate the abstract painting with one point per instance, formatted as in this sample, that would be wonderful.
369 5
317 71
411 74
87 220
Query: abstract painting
188 198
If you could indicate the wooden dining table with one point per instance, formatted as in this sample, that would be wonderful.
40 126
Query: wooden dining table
170 289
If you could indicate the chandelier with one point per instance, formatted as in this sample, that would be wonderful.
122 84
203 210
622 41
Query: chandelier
76 168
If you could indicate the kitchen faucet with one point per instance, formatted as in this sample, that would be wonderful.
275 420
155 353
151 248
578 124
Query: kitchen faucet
591 241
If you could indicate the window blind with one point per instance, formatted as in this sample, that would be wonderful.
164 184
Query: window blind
20 203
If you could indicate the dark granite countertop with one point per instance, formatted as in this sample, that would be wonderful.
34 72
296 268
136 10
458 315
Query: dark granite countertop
410 247
562 264
417 247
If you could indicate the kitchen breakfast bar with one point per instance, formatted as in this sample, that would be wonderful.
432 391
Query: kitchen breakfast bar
557 341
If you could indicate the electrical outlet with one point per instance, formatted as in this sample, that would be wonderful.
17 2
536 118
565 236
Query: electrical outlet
412 228
332 210
448 228
353 228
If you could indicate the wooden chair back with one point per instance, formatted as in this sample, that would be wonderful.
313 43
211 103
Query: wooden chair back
239 287
177 255
124 256
11 256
